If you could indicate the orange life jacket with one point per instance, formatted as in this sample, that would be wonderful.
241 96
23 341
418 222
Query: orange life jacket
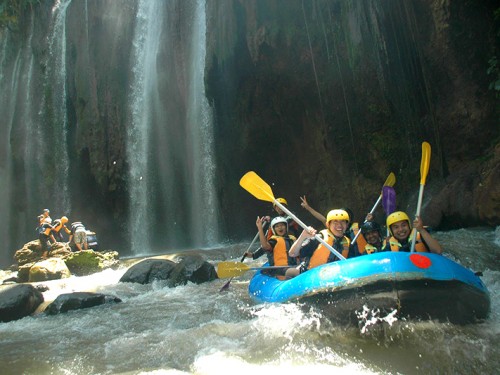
419 245
280 250
322 253
360 241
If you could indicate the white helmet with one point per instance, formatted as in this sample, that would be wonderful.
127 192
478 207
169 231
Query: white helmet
277 220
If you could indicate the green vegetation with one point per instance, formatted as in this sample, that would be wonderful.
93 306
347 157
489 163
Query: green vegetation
12 10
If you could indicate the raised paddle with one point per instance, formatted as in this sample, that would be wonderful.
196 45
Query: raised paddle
388 201
424 169
226 285
256 186
390 181
233 269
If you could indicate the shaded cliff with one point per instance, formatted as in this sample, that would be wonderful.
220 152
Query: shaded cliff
325 98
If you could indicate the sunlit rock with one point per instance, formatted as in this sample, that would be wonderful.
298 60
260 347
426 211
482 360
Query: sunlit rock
86 262
50 269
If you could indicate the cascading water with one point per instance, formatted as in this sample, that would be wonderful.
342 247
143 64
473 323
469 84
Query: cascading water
170 142
143 92
54 110
203 209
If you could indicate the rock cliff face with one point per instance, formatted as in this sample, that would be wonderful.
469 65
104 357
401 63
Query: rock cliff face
325 98
320 97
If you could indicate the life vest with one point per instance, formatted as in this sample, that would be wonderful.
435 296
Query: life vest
360 241
420 246
322 254
46 229
370 249
279 255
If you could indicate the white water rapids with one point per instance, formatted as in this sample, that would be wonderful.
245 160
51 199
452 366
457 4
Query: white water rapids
195 329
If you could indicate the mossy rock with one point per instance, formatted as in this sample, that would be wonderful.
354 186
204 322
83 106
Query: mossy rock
84 262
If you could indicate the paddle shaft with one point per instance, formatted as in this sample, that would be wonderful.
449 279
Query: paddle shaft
226 285
419 206
424 169
297 220
372 211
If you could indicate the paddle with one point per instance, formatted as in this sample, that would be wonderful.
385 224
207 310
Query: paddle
388 201
256 186
424 169
390 181
226 285
232 269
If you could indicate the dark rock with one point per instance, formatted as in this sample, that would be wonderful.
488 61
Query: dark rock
148 270
18 301
10 280
192 268
78 300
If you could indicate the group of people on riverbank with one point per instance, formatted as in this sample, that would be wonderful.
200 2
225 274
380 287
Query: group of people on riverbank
285 245
50 232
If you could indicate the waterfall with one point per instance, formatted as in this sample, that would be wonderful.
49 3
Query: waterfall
203 209
53 127
172 200
6 103
146 43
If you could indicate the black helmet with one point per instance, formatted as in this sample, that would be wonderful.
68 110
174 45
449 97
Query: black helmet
349 212
370 226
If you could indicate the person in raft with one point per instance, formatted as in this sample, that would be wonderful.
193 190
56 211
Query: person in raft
293 227
401 232
277 246
372 233
314 252
351 231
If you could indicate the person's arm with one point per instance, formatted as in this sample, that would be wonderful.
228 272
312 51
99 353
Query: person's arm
312 211
256 254
297 245
264 243
432 244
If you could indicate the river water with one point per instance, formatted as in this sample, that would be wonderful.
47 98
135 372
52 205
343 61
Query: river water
196 329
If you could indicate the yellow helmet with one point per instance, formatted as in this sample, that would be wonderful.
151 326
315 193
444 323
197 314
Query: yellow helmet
64 220
337 214
395 217
282 201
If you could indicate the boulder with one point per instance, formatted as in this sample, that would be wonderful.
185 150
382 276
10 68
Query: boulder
86 262
49 269
18 301
148 270
193 268
78 300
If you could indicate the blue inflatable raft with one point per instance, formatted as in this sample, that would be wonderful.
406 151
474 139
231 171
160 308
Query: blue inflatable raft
417 285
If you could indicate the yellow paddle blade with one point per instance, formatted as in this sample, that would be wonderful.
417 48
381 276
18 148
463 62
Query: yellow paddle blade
231 269
425 162
256 186
391 180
